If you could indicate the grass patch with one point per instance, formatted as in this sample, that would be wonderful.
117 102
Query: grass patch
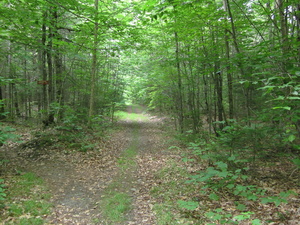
131 116
126 159
27 200
116 205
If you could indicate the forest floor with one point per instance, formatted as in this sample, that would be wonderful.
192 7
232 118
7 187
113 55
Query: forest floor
128 176
79 181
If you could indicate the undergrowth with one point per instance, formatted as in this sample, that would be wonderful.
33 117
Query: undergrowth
26 200
214 186
115 205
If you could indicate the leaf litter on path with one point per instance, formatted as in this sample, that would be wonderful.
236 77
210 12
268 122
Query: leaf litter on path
76 180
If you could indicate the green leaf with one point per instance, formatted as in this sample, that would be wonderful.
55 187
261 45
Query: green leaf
291 138
221 165
241 207
219 210
187 160
283 107
276 200
231 158
189 205
230 186
293 98
243 216
296 162
256 222
214 196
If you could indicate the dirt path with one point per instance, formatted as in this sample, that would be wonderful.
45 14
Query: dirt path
77 180
150 140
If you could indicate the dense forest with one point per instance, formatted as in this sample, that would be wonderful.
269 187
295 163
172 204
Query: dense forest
226 73
204 63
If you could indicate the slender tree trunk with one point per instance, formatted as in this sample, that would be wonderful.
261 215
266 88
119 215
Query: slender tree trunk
219 95
59 97
179 86
57 94
10 85
298 30
218 80
43 61
50 116
14 104
207 103
229 75
238 51
2 105
27 92
283 26
297 15
2 109
94 62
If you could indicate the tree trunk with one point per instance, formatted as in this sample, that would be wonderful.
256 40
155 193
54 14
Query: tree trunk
2 109
57 94
50 117
238 51
298 30
229 75
179 86
283 26
43 62
94 62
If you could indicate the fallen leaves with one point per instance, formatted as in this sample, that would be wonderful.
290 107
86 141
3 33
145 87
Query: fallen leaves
77 179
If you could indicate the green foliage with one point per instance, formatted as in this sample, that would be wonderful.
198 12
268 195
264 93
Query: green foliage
227 180
6 134
253 141
285 92
116 205
86 147
229 177
220 216
2 191
25 183
28 196
172 186
296 161
277 200
71 119
189 205
31 221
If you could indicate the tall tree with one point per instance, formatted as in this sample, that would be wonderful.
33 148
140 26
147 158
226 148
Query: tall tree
94 59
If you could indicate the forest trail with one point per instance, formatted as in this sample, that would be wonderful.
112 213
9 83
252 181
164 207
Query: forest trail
79 182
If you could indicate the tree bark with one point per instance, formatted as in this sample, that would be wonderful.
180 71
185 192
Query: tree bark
229 75
43 61
94 62
283 26
57 94
2 109
238 51
179 86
